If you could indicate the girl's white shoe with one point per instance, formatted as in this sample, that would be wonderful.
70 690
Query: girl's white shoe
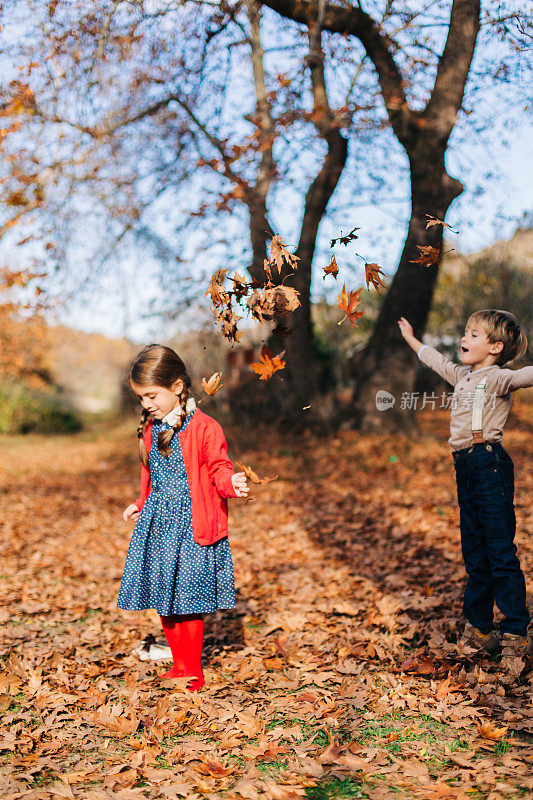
150 649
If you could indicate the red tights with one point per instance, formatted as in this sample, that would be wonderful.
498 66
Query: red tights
185 637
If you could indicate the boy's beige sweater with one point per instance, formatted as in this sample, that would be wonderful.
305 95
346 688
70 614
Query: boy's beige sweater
498 397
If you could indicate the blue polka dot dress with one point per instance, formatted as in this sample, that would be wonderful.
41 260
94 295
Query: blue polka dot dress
165 568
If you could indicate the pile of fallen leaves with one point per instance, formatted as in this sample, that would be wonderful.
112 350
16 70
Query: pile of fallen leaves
335 676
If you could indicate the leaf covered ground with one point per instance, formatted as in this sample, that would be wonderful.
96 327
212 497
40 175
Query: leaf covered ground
336 675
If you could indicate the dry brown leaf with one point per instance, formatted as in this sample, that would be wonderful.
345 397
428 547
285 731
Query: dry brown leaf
434 221
212 385
280 255
372 276
216 290
214 768
488 730
418 663
253 476
268 364
348 303
331 269
427 257
285 299
350 237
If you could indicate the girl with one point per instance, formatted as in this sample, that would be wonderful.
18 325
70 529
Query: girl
179 559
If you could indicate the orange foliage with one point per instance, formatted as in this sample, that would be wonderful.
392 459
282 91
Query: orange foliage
24 347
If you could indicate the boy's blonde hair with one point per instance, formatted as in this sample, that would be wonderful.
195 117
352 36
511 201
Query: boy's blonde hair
502 326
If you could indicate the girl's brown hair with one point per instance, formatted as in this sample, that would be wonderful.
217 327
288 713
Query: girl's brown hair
502 326
157 365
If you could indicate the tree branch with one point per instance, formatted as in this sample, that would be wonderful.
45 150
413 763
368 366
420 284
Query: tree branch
454 65
356 22
324 119
256 196
263 116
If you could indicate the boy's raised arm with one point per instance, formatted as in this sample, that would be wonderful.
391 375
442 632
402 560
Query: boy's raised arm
509 380
451 372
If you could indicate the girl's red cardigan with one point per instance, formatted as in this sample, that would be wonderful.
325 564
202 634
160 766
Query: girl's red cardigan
209 473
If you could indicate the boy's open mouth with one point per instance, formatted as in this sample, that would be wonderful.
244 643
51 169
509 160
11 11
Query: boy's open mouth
464 349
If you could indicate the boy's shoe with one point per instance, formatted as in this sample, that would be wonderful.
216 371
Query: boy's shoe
517 653
150 649
476 640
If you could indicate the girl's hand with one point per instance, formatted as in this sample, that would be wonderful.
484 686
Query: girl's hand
131 513
238 480
406 329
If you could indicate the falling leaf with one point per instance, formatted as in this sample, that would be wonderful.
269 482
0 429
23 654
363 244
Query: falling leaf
434 221
428 255
372 275
268 364
253 476
279 254
264 304
348 303
285 299
227 322
345 239
212 385
331 269
261 305
216 290
240 286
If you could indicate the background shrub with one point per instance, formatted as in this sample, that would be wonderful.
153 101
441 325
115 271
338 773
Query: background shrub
27 410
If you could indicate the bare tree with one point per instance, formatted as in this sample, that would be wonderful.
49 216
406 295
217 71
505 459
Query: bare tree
424 134
104 97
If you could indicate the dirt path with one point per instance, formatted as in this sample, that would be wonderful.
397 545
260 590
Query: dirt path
334 677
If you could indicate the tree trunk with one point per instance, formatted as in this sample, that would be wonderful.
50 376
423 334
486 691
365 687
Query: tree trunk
304 374
306 371
387 363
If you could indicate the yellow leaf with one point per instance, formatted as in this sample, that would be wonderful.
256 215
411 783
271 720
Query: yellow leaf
212 385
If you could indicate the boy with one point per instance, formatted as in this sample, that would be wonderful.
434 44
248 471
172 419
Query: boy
485 478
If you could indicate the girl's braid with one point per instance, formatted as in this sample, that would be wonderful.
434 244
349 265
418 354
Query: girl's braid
141 427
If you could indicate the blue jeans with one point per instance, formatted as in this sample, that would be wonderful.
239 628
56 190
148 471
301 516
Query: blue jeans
485 490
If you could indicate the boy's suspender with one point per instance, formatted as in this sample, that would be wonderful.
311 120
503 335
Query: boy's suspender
477 412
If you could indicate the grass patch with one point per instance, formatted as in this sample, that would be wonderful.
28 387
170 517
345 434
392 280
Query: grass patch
333 788
42 779
271 768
